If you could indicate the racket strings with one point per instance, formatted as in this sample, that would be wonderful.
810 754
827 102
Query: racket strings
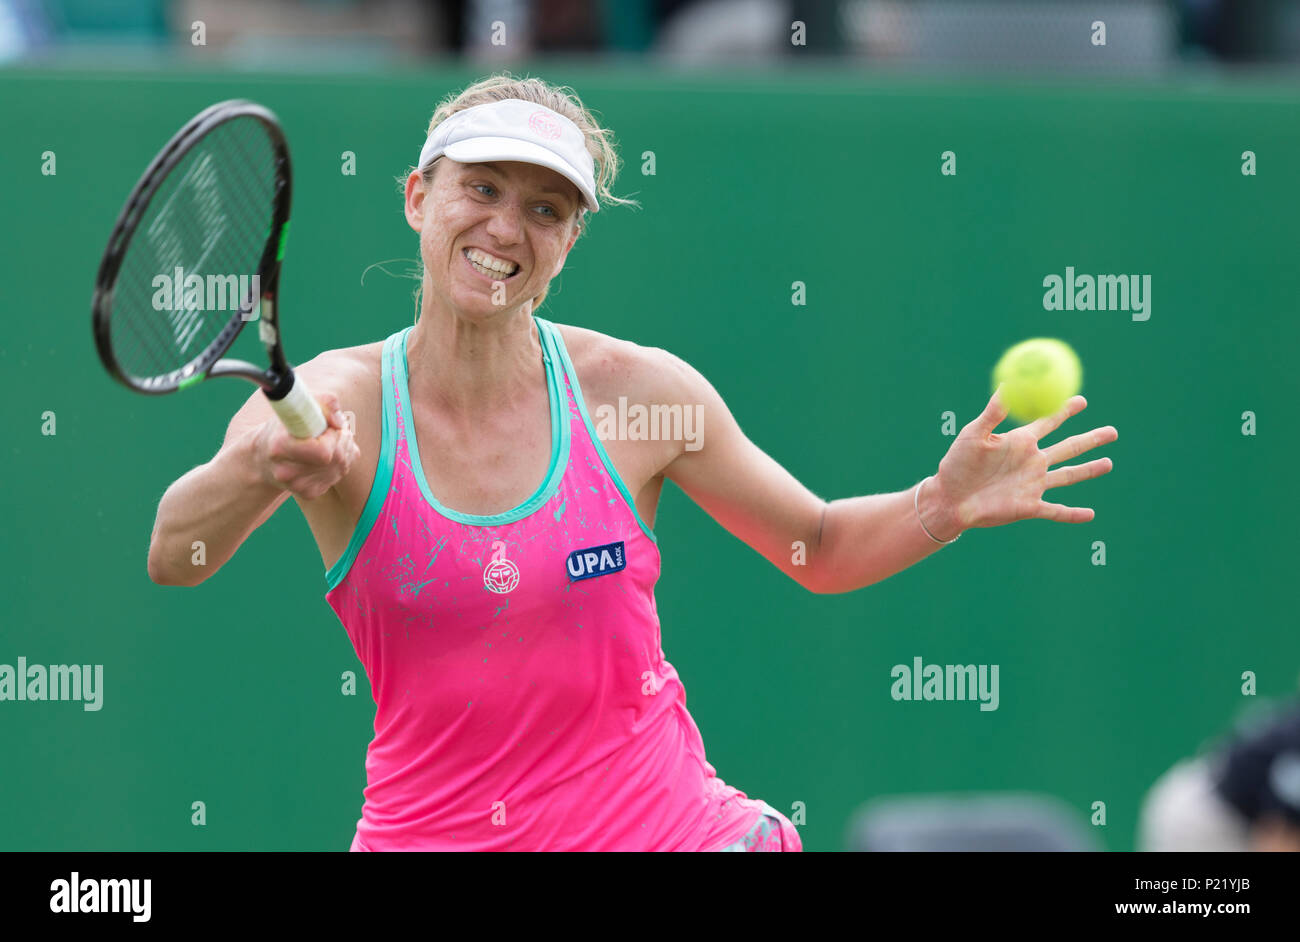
190 268
204 210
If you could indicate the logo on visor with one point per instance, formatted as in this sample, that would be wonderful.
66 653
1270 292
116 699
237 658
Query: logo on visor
596 561
544 125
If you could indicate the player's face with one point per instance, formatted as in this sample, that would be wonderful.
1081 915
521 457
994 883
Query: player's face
521 215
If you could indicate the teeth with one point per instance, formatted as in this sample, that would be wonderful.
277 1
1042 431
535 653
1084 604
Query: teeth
490 264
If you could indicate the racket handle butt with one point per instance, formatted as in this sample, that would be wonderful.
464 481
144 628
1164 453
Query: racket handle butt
299 411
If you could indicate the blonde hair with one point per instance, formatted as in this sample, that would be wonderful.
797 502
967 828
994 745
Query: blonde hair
561 99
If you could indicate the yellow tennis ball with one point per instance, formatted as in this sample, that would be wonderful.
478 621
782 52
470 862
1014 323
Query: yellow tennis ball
1037 377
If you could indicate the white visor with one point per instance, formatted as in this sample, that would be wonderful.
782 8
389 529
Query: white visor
516 130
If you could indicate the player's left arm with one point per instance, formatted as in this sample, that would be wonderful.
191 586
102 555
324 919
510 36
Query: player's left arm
826 547
842 545
734 481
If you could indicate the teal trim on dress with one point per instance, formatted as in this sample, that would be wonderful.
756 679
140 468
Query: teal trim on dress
591 430
383 470
559 449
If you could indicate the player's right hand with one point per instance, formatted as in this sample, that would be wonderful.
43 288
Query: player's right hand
307 468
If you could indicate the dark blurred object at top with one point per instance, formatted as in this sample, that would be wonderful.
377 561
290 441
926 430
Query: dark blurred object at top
1242 31
1259 772
568 25
1240 793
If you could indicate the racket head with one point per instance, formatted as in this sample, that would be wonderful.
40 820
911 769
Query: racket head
214 203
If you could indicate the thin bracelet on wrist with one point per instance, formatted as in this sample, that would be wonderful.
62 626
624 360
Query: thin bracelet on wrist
916 505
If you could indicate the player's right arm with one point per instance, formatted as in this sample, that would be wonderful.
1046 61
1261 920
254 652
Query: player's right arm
259 466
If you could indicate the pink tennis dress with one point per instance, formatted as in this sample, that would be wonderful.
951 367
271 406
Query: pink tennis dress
522 698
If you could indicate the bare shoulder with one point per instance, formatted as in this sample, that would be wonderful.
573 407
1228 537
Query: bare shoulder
350 373
345 364
609 367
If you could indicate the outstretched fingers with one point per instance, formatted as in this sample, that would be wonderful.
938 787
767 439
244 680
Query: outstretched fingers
1073 474
1050 423
1062 514
1076 445
992 415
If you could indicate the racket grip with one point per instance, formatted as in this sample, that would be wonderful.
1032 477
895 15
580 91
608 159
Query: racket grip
299 411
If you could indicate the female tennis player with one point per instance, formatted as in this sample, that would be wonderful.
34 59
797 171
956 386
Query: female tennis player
493 560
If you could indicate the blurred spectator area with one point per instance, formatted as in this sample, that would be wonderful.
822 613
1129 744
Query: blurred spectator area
325 33
989 821
324 30
1143 35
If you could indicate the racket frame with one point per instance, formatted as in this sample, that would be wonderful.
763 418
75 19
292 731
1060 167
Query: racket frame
276 382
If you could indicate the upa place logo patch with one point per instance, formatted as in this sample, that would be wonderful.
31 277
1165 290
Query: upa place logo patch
596 561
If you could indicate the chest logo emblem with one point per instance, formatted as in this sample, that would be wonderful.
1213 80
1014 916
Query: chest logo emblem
500 575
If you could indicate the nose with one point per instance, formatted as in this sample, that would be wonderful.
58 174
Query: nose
506 222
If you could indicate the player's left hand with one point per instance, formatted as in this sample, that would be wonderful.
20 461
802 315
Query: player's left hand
991 479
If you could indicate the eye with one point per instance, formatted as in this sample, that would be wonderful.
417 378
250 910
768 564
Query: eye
551 211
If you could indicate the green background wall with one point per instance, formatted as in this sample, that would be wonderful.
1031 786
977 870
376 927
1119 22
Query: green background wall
915 283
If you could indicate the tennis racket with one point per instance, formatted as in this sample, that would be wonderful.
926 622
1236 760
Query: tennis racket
195 256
